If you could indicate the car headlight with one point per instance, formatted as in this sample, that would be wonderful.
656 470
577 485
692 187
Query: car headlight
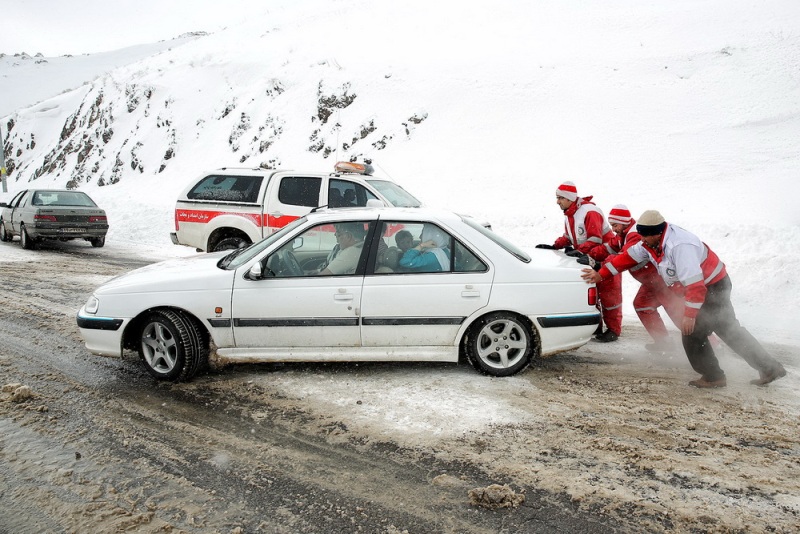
91 305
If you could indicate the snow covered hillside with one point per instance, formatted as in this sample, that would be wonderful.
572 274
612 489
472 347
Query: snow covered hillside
692 108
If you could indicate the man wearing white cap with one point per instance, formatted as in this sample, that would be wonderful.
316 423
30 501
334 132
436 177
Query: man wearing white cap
653 292
587 231
682 258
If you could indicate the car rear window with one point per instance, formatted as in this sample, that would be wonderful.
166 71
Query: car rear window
517 252
62 198
225 188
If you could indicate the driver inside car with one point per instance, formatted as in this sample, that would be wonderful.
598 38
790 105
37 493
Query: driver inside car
350 243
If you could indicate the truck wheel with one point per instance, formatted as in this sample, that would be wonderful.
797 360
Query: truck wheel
231 243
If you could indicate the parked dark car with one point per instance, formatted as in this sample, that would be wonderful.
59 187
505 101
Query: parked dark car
60 214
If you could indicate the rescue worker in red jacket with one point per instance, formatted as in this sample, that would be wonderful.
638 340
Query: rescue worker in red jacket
682 258
587 232
653 292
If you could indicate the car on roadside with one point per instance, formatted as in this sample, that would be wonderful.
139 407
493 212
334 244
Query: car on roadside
230 208
476 297
52 214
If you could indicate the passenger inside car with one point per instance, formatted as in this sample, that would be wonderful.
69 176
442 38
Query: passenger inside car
350 240
432 254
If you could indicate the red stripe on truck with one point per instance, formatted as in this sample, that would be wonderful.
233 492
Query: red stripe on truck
204 216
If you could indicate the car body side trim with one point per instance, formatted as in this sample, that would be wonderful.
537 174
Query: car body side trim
220 323
569 320
411 321
308 321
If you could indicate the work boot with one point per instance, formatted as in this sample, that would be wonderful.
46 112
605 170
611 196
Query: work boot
769 376
607 336
707 384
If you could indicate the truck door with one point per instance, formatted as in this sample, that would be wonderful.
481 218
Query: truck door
289 198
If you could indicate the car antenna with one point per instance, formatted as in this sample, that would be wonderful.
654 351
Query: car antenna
319 208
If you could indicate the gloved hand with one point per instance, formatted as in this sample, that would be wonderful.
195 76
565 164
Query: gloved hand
575 253
548 247
586 260
568 249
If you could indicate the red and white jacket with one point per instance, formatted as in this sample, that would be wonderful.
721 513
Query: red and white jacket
681 258
585 229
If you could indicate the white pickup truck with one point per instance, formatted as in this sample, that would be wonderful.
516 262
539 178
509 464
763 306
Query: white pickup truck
232 207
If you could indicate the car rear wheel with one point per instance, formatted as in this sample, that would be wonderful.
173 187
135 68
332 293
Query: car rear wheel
98 242
500 344
24 239
171 346
230 243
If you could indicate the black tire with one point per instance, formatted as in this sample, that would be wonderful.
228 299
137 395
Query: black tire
97 242
24 239
230 243
4 236
171 346
500 344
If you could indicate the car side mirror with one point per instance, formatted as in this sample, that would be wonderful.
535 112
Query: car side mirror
3 205
255 272
297 243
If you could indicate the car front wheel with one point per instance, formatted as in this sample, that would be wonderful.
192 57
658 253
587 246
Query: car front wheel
500 344
171 346
4 236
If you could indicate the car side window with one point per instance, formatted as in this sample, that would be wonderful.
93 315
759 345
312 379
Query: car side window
300 191
23 199
346 194
224 188
17 200
323 250
466 261
413 248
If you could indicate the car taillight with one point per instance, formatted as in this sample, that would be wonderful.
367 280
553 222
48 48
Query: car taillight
592 296
176 220
98 218
49 218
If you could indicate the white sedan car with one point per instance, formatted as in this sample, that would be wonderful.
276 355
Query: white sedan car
361 284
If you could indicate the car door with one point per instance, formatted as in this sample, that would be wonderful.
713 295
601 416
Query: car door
17 205
287 308
400 307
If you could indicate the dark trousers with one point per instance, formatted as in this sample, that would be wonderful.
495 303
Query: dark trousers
717 315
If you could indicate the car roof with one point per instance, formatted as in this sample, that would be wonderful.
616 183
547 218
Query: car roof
384 212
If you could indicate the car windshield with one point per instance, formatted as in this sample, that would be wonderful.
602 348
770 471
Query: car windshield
239 257
62 198
395 194
517 252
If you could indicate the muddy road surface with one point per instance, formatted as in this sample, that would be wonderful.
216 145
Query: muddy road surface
607 438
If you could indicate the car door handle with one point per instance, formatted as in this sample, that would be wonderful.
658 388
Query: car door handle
470 292
343 296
